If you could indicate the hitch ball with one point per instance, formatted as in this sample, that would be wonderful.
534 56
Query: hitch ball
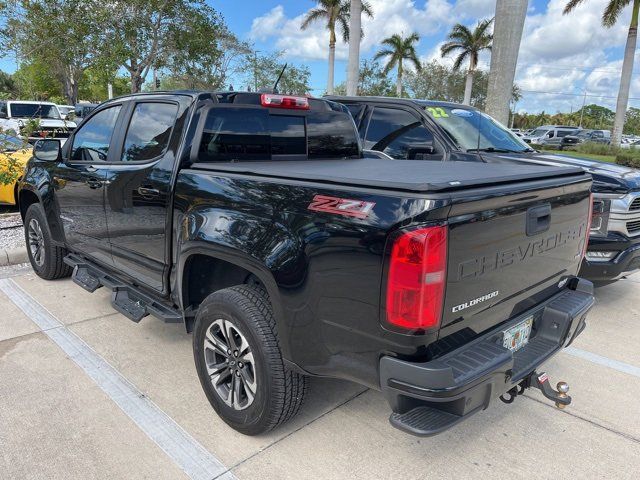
563 389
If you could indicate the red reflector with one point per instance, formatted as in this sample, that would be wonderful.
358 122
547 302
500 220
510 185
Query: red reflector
417 278
284 101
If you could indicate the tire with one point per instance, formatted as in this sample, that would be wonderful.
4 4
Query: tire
45 257
244 312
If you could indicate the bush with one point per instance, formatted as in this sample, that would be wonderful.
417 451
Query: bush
628 158
593 148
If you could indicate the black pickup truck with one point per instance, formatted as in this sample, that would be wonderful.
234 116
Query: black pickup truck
256 221
442 131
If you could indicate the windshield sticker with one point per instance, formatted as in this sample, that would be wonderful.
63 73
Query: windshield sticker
459 112
437 112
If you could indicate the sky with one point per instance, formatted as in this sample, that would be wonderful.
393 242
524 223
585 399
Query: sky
562 57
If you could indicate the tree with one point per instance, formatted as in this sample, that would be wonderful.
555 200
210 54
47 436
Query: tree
355 25
64 35
609 18
398 50
35 80
295 79
152 34
336 14
372 81
8 87
436 81
93 85
507 34
468 44
205 53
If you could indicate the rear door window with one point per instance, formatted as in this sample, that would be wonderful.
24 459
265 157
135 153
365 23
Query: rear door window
235 134
149 131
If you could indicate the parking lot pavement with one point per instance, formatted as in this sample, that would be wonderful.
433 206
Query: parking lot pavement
57 422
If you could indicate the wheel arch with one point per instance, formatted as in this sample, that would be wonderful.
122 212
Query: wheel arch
205 270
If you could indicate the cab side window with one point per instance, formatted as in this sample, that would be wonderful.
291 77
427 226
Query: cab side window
400 135
91 141
149 131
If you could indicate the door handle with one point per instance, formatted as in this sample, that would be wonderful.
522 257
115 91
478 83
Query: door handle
148 192
538 219
91 169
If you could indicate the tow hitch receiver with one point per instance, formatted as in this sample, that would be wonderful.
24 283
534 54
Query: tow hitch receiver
541 382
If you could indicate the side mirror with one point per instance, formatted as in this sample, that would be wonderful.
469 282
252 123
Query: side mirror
3 115
417 151
47 150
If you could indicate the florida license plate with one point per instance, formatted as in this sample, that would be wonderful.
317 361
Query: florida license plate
517 336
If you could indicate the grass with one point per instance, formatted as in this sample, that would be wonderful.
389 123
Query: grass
590 156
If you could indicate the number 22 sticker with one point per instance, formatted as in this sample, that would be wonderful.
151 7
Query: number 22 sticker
437 112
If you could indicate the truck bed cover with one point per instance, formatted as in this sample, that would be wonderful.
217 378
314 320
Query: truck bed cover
405 175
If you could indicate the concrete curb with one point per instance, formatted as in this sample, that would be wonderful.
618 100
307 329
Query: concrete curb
13 256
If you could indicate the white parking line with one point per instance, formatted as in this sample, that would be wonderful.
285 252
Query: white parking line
196 461
604 361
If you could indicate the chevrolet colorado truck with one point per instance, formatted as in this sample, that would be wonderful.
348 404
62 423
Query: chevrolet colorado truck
255 220
442 131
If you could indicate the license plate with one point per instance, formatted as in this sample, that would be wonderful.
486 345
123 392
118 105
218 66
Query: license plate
517 336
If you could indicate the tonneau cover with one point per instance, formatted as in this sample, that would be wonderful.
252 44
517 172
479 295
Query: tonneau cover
409 175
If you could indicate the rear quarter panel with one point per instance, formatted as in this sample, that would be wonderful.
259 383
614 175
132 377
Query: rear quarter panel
322 270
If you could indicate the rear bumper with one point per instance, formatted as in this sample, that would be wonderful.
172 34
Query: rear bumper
627 260
428 398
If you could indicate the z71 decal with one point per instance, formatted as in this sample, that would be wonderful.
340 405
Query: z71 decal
341 206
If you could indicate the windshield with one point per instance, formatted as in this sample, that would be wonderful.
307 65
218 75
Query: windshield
9 143
34 110
540 132
583 134
474 130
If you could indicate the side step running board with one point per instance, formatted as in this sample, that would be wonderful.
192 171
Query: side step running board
126 299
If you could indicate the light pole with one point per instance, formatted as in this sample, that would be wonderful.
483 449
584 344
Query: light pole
584 103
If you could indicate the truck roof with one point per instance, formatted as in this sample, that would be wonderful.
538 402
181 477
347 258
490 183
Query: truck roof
396 101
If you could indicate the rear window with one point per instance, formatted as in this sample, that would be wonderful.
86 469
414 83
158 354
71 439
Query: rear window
236 134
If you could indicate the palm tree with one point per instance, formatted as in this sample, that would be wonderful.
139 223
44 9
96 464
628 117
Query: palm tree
399 49
469 45
336 14
609 18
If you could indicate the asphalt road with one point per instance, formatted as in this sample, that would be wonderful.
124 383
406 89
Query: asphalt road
86 393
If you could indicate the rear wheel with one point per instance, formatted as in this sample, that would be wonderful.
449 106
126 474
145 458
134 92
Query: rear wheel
239 362
45 257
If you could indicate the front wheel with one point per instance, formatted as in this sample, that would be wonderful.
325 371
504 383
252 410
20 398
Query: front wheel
239 362
45 257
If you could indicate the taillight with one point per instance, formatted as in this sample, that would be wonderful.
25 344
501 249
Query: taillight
589 220
416 280
284 101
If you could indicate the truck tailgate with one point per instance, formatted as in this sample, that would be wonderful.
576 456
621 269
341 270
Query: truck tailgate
510 251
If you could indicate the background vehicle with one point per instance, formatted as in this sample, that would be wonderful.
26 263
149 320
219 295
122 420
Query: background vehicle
11 150
582 136
428 130
66 110
256 221
15 114
84 109
549 134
